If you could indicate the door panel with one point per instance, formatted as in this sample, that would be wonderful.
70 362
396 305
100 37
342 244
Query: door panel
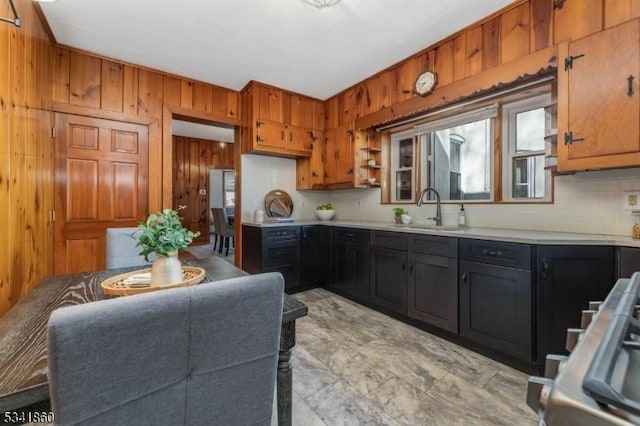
101 182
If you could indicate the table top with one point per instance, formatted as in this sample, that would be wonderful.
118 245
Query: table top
23 339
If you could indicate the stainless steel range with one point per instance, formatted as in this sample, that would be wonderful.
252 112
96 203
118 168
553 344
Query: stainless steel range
599 382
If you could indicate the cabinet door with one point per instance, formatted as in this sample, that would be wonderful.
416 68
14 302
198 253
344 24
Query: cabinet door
270 103
496 309
339 156
433 290
351 269
389 278
270 134
310 171
569 277
598 103
291 275
299 140
316 255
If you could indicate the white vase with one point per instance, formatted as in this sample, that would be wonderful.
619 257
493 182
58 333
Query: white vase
166 269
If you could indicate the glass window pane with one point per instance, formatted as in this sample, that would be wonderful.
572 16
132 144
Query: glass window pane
405 151
404 187
529 177
530 130
459 161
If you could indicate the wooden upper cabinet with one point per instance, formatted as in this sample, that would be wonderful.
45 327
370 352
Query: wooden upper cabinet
278 122
310 171
598 100
339 156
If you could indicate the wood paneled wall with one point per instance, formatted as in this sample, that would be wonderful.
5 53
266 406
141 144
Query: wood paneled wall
37 78
26 154
516 33
192 159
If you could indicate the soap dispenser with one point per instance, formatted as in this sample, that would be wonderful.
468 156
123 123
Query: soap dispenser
462 216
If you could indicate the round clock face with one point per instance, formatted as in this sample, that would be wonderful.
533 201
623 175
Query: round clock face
425 83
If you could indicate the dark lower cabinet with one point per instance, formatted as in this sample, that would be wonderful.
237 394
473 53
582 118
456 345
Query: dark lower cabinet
433 280
350 262
496 296
495 308
273 249
569 277
389 273
433 290
315 255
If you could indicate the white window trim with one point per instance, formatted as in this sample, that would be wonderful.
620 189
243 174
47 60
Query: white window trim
509 112
395 157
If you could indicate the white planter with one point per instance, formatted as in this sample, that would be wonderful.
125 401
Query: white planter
166 269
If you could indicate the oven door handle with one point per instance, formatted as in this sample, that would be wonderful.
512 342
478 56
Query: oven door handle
597 381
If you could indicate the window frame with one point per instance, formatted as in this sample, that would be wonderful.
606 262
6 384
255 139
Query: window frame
508 148
545 87
395 161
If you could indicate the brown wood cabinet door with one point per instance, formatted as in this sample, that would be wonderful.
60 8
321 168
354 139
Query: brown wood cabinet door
599 109
270 134
310 171
270 103
101 182
339 155
299 140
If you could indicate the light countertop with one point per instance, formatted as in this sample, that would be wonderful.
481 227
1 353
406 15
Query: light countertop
495 234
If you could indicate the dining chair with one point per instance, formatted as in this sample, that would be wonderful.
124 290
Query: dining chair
200 355
223 229
121 250
215 233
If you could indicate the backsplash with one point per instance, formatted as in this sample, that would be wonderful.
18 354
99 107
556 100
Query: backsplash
586 202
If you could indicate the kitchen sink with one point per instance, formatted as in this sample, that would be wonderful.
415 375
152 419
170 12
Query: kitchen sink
435 227
450 228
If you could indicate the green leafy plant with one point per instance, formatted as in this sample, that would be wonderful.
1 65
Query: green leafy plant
163 233
399 211
327 206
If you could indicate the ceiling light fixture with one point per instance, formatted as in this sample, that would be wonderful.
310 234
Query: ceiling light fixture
322 3
16 18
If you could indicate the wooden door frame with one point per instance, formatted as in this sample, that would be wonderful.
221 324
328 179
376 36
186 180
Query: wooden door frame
169 112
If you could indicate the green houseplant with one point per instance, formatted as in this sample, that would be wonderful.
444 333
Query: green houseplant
398 212
162 233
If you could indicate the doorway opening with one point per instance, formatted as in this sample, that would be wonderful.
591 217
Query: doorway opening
202 151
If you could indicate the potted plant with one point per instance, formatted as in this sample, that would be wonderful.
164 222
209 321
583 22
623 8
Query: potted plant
398 212
163 234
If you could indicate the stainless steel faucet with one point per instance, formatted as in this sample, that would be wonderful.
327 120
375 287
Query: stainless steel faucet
438 217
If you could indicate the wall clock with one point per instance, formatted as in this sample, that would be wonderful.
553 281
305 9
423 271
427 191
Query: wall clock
425 83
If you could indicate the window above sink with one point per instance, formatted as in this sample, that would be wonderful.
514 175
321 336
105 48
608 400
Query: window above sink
490 151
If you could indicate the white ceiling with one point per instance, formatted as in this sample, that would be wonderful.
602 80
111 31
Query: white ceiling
286 43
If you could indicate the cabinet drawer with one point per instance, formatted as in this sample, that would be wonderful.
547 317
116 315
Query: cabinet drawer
434 245
280 253
512 255
396 240
290 273
280 234
350 234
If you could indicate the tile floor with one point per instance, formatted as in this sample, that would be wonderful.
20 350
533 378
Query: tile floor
355 366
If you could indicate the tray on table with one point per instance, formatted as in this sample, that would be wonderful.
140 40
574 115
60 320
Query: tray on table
115 285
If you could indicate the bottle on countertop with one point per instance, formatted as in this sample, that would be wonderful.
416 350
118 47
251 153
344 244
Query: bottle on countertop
462 216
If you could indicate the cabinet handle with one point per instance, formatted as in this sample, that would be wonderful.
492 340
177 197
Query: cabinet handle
290 136
281 134
411 268
630 86
404 266
545 268
464 278
349 235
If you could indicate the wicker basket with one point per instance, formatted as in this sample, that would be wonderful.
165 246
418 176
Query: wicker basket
115 286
